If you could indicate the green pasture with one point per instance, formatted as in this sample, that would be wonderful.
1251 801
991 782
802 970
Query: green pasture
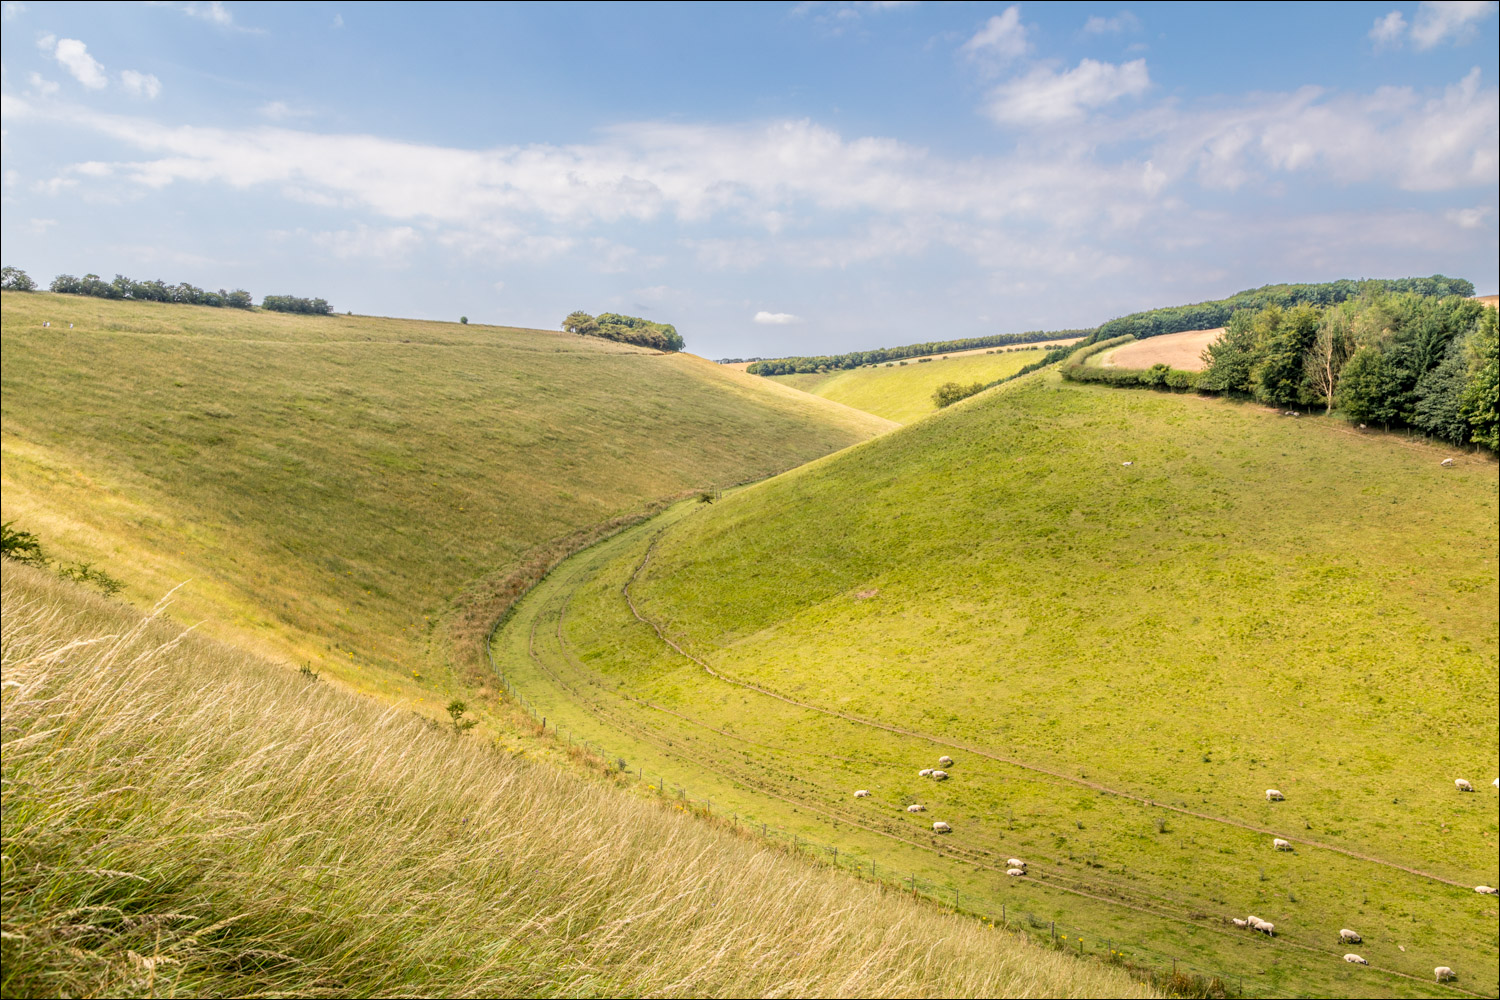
902 390
1120 658
329 485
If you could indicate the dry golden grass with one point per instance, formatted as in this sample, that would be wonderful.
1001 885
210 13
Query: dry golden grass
1183 351
180 817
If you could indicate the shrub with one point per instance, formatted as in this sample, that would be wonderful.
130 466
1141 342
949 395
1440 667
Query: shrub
293 304
22 546
951 392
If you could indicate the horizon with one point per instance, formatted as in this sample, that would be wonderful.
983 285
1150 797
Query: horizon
774 181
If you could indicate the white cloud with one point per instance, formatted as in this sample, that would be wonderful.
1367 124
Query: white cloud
42 86
392 243
338 20
140 84
1468 218
1044 96
14 10
776 319
1436 21
1121 22
1388 30
74 57
1002 38
214 13
277 111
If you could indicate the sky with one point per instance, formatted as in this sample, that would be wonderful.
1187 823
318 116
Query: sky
773 179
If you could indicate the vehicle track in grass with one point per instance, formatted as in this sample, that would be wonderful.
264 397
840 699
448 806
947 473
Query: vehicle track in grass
1001 758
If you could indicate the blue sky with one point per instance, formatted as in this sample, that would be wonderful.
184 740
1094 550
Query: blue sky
772 178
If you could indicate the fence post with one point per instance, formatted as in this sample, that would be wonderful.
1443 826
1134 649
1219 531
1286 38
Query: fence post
1054 932
913 883
1003 921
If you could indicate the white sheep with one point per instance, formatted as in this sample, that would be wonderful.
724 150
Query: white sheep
1015 872
1014 863
1281 845
1488 890
1264 926
1272 795
946 761
926 772
1350 937
1127 464
1447 463
916 807
1462 784
863 793
1239 922
939 775
941 827
1355 960
1443 973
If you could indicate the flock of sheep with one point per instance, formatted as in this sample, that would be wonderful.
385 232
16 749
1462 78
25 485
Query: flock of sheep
1015 867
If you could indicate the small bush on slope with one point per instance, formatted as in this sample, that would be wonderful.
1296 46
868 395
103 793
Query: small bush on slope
180 817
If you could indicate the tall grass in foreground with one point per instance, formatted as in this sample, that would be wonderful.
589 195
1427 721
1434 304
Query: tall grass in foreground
182 818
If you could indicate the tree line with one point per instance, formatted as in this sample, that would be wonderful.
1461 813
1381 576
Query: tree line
15 279
857 359
625 330
1207 315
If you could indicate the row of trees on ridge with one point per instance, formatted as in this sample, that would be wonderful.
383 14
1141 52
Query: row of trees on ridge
857 359
17 280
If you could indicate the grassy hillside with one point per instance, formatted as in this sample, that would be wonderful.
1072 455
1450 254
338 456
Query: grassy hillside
241 830
903 391
1126 616
340 489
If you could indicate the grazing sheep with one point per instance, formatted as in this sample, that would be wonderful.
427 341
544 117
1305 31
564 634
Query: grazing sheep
1350 937
1488 890
1264 926
939 775
926 772
862 794
1355 960
1240 923
1443 973
1015 872
1272 795
1496 782
1127 464
946 761
941 827
1447 463
1014 863
1281 845
916 807
1462 785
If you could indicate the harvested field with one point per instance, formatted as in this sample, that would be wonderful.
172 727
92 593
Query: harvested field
1493 301
1179 350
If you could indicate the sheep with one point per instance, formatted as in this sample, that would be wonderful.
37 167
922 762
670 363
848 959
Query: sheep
926 772
1443 973
1239 922
1353 959
1350 937
916 807
1487 890
1272 795
1127 464
946 761
1281 845
1264 926
939 775
863 793
1015 872
1462 785
941 827
1447 463
1014 863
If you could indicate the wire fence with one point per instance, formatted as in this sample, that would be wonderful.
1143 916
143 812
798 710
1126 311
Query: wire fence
1182 978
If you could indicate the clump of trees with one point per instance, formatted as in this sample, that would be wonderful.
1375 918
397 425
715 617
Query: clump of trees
1207 315
293 304
149 291
884 355
1394 360
13 279
625 330
951 392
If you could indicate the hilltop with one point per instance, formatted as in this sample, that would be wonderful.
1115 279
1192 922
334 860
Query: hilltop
358 493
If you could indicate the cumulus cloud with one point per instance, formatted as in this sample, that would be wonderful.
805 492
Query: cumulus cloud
140 84
277 111
1044 96
1003 38
41 85
13 10
776 319
392 243
1469 218
1435 22
73 56
214 13
1121 22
